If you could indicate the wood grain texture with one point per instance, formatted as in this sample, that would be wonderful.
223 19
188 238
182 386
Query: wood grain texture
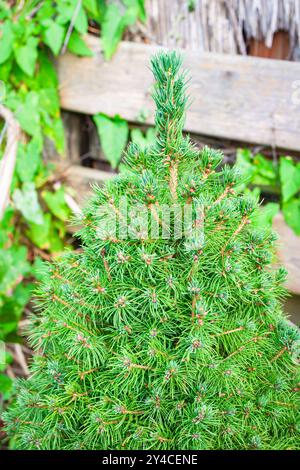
233 97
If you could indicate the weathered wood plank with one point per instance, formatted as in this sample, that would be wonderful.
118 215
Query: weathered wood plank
288 253
233 97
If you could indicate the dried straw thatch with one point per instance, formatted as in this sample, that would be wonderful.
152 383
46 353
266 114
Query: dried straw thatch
223 26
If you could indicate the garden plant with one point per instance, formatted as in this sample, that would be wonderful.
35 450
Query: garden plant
33 227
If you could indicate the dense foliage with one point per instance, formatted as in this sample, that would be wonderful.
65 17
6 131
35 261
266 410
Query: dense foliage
163 342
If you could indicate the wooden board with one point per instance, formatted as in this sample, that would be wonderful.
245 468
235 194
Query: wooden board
81 178
233 97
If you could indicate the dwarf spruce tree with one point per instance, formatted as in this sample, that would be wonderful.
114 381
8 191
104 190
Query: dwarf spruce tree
153 337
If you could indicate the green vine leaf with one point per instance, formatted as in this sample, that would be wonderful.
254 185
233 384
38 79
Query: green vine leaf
28 160
289 177
81 22
266 214
46 235
26 201
143 140
92 7
265 171
6 41
39 233
54 129
28 114
47 76
26 56
114 24
113 133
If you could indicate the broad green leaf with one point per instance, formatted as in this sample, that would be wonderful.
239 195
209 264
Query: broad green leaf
11 310
54 36
28 114
55 130
81 22
291 212
60 226
244 164
92 7
6 226
47 76
137 8
26 201
44 172
6 41
78 46
112 29
46 11
266 173
28 159
5 11
57 204
266 214
289 178
49 101
5 72
39 268
253 193
8 359
46 236
26 56
113 133
6 386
